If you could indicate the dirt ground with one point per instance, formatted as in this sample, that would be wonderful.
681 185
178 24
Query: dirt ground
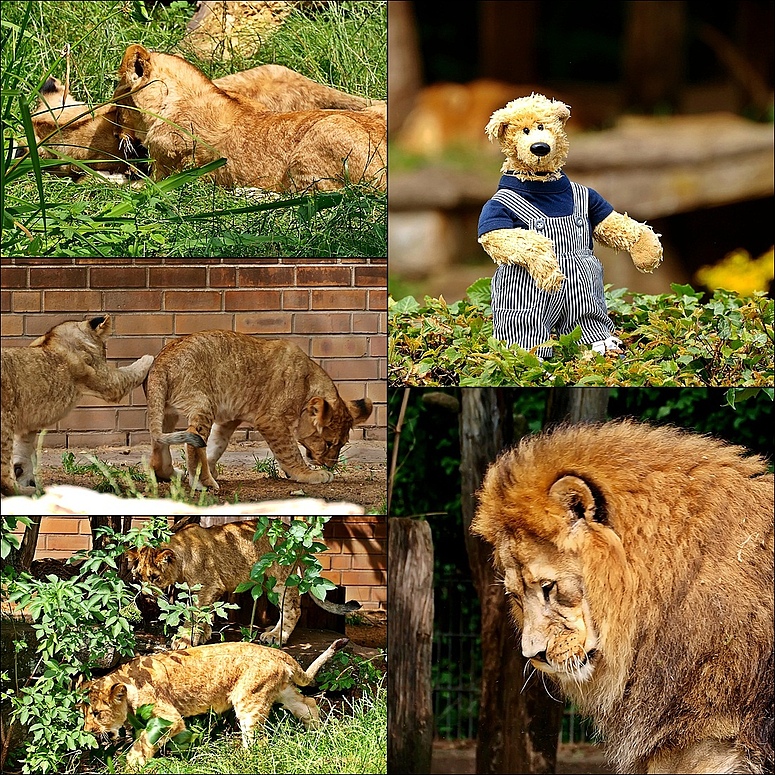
362 479
458 757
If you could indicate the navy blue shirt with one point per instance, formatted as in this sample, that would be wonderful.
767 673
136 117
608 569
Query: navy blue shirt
553 198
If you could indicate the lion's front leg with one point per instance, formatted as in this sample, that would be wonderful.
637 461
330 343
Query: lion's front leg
290 612
112 384
143 749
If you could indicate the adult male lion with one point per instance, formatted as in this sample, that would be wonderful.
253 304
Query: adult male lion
639 565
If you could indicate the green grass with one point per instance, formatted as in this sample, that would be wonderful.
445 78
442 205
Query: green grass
354 741
340 44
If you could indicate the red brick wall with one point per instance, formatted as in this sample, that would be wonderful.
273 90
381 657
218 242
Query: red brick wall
333 308
356 556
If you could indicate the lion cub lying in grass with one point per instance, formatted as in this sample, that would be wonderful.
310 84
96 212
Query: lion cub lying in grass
218 379
64 125
220 558
244 676
184 120
43 382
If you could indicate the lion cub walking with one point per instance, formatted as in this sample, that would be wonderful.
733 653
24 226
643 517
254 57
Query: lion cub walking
43 382
218 379
244 676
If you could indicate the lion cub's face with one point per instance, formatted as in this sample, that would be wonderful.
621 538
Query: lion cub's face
106 710
324 427
155 566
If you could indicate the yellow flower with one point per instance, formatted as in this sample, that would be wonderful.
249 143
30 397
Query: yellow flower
737 271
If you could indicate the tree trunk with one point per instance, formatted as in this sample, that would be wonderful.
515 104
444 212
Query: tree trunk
576 404
29 544
518 730
405 62
410 640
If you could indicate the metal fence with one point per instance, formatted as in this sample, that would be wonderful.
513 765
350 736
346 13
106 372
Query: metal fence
457 666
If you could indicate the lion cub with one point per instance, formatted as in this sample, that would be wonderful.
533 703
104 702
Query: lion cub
43 382
184 119
220 558
218 379
244 676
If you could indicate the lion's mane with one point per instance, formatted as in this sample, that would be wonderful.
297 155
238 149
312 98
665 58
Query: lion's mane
678 572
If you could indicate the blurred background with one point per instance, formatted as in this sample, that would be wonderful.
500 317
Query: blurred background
671 122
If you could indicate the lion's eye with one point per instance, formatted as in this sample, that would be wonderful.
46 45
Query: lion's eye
547 587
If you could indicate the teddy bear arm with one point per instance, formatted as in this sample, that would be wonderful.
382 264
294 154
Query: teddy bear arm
526 248
620 232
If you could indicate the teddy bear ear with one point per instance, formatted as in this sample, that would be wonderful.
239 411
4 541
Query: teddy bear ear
561 110
497 124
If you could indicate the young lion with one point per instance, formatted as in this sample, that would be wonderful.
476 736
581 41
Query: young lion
218 379
220 558
183 118
43 382
63 125
244 676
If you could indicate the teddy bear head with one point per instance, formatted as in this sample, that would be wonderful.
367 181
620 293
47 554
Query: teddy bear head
531 133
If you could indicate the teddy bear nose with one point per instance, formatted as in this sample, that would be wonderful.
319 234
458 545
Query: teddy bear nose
540 149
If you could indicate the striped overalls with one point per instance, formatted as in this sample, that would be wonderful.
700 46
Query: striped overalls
525 315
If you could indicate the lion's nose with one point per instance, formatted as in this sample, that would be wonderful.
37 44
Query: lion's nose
540 657
540 149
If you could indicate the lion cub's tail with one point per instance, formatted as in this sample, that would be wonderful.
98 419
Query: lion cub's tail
310 673
181 437
337 608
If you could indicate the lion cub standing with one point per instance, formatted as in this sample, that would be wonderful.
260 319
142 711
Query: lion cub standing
218 379
244 676
43 382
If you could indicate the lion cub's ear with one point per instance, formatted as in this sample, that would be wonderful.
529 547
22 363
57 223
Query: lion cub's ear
360 410
319 412
102 326
136 64
164 556
117 694
577 498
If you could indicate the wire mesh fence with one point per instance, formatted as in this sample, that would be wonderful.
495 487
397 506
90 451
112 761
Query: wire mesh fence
457 667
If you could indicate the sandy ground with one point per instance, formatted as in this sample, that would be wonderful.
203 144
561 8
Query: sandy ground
362 479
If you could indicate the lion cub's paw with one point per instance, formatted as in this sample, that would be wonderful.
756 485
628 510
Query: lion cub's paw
317 476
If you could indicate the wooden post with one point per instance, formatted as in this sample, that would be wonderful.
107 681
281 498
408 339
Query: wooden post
410 639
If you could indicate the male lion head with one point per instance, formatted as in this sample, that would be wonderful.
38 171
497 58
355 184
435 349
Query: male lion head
324 427
639 566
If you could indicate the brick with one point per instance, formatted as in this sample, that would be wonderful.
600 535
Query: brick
371 275
363 577
351 368
186 323
222 277
5 301
378 346
13 277
128 324
90 441
189 301
11 325
367 323
117 277
26 301
90 419
252 300
67 543
339 346
131 348
58 277
340 299
132 301
320 323
72 301
265 276
132 419
377 300
296 299
323 275
263 323
177 277
67 525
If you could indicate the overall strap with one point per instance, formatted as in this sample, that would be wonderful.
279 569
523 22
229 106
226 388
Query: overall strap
519 205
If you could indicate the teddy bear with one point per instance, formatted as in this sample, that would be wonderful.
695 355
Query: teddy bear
539 229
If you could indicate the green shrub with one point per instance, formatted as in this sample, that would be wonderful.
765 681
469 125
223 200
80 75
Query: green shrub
673 339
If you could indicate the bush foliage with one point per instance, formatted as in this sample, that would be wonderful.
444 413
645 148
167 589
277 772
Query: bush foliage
677 339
